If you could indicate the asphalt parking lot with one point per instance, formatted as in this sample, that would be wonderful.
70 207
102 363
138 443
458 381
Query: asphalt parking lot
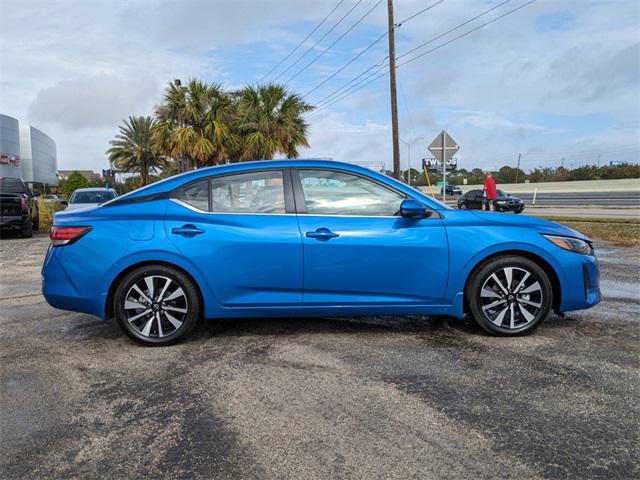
325 398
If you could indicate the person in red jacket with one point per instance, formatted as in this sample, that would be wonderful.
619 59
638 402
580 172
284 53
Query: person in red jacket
490 193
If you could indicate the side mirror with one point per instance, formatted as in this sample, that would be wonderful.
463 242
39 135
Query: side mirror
411 208
64 202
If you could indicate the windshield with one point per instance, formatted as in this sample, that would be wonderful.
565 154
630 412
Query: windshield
92 197
501 193
12 185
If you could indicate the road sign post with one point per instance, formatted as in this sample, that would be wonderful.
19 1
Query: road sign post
443 147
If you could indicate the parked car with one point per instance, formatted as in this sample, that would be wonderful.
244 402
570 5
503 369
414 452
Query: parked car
308 238
90 197
472 200
452 190
18 207
50 198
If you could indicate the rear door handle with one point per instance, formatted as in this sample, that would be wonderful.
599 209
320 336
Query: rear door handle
187 230
322 234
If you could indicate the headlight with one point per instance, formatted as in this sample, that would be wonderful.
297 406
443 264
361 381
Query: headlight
572 244
502 201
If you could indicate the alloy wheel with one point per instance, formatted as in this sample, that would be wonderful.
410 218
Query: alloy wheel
511 298
155 306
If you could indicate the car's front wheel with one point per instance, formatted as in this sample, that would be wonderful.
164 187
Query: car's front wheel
156 305
463 206
509 295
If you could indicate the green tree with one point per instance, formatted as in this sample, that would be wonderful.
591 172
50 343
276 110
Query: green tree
195 124
270 121
133 149
75 181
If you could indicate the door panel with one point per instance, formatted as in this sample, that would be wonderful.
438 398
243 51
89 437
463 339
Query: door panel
373 260
247 259
247 246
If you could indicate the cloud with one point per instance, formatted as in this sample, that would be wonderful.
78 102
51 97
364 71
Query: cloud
93 102
77 68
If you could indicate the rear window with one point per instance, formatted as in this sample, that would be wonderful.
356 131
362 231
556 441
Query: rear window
92 197
12 185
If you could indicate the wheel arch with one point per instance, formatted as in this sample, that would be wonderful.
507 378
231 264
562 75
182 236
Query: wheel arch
540 261
118 278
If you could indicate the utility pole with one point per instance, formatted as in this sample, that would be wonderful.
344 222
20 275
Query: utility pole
394 98
444 166
518 167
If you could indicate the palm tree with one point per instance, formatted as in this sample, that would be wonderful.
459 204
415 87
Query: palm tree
270 122
133 150
194 123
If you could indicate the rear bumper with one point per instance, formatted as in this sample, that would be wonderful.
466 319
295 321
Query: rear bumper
14 222
60 292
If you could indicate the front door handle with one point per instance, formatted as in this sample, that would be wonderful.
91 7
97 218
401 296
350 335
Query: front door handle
322 234
187 230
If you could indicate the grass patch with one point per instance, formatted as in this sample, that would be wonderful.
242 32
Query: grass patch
619 231
46 212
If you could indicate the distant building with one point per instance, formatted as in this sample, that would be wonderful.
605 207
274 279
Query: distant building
88 174
27 153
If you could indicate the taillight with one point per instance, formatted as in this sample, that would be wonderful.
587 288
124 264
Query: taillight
66 235
24 204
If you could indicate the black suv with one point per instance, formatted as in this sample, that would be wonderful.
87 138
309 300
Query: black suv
18 207
472 200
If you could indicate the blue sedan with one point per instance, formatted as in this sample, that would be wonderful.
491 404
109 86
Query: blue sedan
306 238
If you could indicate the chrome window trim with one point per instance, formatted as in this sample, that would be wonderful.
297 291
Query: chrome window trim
191 207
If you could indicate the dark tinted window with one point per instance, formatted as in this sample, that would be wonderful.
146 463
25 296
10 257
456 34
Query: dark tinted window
196 195
474 193
92 197
12 185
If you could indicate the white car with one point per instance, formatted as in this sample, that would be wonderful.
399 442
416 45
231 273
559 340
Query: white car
49 198
90 197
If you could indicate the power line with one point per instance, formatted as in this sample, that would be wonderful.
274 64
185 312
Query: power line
437 37
453 29
335 42
319 40
348 93
467 33
362 52
346 64
302 42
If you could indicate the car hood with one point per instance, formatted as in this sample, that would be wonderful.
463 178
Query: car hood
508 197
544 226
77 207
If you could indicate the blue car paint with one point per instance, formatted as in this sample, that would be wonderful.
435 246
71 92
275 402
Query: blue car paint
264 265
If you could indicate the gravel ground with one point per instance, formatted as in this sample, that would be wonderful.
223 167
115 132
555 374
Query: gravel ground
325 398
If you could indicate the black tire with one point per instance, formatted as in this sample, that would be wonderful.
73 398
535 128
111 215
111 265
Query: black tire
27 230
483 291
156 335
463 206
518 211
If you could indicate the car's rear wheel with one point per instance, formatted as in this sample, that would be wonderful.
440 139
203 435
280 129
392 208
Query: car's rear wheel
156 305
509 296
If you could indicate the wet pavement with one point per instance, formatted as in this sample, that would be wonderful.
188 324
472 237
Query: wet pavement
323 398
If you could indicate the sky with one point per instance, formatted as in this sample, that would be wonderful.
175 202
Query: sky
555 81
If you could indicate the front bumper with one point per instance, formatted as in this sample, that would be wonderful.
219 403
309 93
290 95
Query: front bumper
581 283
